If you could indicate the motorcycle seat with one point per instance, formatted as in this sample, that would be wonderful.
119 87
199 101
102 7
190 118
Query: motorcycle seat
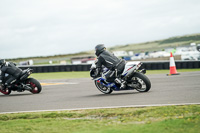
23 72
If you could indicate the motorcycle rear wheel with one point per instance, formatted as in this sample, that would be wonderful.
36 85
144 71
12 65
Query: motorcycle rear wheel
35 85
142 81
102 88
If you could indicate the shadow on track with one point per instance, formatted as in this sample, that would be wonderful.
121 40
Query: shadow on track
115 94
14 95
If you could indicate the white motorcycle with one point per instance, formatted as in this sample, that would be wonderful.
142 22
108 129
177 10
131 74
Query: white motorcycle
135 79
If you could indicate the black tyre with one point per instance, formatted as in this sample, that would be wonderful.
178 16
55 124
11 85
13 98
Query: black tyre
102 88
142 82
35 85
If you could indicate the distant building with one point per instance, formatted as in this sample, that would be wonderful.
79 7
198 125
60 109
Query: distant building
83 60
130 53
28 62
63 62
120 53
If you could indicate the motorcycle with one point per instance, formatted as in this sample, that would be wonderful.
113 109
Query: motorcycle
23 83
135 79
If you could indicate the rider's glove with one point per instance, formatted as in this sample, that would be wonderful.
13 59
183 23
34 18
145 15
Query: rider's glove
96 73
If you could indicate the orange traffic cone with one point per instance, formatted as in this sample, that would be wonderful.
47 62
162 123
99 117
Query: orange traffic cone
172 66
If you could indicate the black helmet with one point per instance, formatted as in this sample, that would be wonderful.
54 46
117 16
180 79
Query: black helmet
99 49
2 62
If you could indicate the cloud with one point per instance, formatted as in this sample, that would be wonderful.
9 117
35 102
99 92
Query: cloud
48 27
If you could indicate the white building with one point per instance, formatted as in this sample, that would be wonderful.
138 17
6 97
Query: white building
120 53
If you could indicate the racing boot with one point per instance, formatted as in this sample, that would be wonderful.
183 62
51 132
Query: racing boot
121 82
123 85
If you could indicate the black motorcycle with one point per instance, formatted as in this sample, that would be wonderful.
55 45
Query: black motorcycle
23 83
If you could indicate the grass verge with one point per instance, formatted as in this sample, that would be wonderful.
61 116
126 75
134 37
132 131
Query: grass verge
164 119
86 74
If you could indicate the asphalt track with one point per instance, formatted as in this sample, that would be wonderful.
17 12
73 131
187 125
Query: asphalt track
82 93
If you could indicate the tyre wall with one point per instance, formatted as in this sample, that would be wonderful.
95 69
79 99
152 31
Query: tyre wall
86 67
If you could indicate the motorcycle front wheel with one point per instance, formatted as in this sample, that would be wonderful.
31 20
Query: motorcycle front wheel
102 88
35 85
141 81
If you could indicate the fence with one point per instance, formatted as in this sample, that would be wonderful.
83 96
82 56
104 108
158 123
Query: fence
86 67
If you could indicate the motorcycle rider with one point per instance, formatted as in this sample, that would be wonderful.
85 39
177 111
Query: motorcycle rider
10 69
110 61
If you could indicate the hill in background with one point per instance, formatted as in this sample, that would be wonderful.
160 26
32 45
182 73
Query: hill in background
172 42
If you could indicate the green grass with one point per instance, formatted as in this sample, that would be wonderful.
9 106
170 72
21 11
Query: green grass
86 74
166 119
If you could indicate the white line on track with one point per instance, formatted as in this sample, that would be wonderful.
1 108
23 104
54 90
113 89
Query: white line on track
57 83
111 107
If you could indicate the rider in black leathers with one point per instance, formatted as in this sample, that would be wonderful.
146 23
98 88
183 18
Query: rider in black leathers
10 69
110 61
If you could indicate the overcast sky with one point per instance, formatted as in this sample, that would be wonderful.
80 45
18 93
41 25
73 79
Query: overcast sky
52 27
